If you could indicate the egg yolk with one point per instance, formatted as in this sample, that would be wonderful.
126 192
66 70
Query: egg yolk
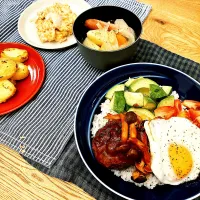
181 160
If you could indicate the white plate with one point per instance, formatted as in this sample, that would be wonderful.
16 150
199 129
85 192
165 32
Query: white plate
27 28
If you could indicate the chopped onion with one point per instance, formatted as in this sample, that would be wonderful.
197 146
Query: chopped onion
107 26
99 26
121 23
125 30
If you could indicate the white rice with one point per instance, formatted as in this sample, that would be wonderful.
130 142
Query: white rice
99 121
125 174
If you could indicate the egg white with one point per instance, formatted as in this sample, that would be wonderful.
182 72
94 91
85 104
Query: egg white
161 134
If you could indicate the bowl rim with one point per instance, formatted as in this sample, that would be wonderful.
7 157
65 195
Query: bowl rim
75 119
126 47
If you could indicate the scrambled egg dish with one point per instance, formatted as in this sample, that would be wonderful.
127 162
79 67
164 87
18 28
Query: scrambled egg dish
55 23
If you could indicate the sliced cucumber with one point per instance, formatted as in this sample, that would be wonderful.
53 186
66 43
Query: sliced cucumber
143 113
149 103
141 83
156 92
113 89
118 102
168 101
134 99
167 89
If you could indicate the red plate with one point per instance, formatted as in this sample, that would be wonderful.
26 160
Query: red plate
28 87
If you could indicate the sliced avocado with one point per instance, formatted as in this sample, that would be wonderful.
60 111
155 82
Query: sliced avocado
128 83
141 83
131 80
113 89
149 103
156 92
143 113
134 99
168 101
118 102
144 91
167 89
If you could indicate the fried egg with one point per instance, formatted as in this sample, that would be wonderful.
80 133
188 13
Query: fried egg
175 149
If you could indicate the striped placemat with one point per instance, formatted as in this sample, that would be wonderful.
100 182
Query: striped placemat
45 124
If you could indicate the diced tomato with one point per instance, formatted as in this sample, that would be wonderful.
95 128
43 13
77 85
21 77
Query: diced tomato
165 112
184 114
197 121
177 105
191 104
194 113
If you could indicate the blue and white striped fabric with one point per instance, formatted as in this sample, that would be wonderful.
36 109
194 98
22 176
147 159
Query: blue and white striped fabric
45 124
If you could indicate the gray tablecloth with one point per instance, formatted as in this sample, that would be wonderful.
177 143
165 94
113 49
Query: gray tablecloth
46 122
70 167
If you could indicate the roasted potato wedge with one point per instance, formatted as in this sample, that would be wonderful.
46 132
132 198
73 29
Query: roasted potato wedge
7 90
15 54
113 40
21 73
98 36
7 68
12 81
88 43
106 46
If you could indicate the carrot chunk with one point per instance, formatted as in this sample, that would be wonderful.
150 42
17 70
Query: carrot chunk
121 39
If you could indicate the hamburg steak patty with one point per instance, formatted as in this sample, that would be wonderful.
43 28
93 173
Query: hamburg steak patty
108 148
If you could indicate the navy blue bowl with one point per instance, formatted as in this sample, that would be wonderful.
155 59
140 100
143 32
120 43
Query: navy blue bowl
187 88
